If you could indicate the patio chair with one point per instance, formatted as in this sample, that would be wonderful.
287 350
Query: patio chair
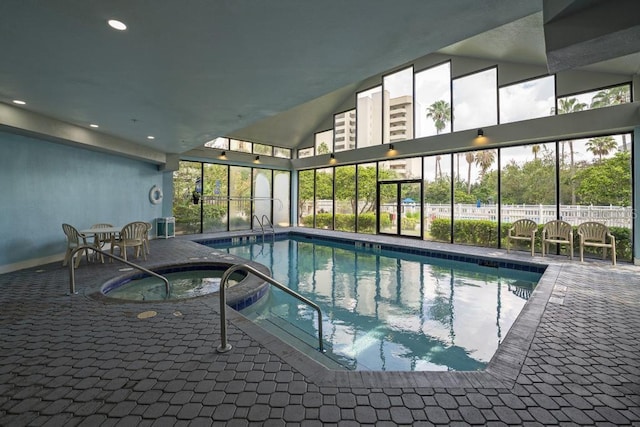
131 236
523 229
74 239
596 234
101 239
558 232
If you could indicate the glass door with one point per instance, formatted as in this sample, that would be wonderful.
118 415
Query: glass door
400 208
388 208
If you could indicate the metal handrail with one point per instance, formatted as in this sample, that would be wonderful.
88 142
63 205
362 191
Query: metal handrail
224 344
273 231
259 222
72 276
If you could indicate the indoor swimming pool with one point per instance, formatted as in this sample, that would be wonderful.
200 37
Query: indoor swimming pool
385 310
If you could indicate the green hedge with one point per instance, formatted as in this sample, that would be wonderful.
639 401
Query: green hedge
484 233
346 222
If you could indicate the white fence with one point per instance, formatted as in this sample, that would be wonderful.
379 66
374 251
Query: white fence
612 216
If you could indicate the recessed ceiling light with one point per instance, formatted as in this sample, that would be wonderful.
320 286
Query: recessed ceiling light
151 137
19 102
117 25
94 125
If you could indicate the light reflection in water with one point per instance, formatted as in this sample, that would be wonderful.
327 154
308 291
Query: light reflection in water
392 311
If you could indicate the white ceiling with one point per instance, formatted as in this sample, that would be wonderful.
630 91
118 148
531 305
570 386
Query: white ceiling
188 71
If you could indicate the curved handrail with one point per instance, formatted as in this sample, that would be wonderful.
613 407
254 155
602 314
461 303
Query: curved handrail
224 344
72 276
268 221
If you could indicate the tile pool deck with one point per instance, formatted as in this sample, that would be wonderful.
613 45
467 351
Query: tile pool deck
571 358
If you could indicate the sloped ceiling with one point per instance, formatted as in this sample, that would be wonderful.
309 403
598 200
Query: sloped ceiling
267 71
186 72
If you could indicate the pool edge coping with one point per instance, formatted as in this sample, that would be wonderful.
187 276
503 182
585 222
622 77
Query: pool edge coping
501 372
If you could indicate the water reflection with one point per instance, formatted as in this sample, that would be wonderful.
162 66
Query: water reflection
389 311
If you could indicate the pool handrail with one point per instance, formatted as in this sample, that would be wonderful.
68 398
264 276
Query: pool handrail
268 221
262 225
72 276
224 344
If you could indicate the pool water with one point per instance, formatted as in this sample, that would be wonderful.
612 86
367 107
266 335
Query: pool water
389 311
183 284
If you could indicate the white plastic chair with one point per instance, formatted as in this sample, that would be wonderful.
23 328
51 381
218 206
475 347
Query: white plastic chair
596 234
74 239
131 236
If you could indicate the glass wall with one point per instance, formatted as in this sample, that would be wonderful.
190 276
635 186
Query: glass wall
186 208
344 125
242 146
305 152
595 99
596 185
369 117
437 197
306 195
215 204
324 198
281 198
284 153
475 100
433 101
527 100
528 185
262 180
367 197
398 106
239 198
324 142
262 149
345 198
475 213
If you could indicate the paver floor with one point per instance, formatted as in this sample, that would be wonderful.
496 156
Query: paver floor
71 360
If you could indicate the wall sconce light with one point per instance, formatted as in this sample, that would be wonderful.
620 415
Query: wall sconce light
391 151
257 160
223 155
332 158
391 147
480 132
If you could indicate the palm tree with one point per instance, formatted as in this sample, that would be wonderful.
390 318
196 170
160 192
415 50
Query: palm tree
484 160
570 105
612 96
535 149
438 168
601 146
470 157
440 113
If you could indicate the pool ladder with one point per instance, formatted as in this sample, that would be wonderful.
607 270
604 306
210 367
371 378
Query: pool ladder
265 222
72 275
224 344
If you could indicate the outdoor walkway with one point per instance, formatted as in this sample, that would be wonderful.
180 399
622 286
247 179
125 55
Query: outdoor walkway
573 357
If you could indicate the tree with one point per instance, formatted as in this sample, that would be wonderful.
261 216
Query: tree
601 146
440 113
535 149
570 105
607 182
484 160
438 191
345 187
612 96
323 148
470 157
305 189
